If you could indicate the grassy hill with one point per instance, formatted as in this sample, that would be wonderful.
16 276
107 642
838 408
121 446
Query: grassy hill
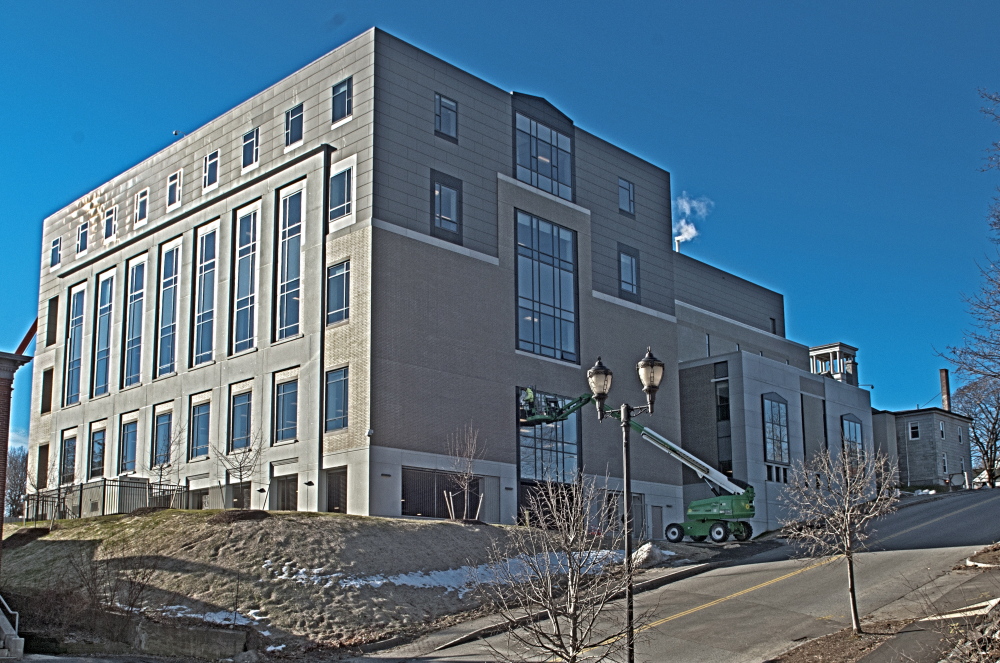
331 579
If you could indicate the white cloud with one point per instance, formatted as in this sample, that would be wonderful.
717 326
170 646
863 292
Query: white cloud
18 438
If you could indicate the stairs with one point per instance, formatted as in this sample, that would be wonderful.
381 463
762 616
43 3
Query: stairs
12 645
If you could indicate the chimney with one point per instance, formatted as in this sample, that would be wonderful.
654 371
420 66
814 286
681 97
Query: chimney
945 391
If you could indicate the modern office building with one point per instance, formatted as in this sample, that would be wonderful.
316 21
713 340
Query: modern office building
373 253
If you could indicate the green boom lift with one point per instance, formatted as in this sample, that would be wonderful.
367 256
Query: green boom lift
714 517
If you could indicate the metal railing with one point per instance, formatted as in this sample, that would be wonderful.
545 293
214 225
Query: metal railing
103 497
12 613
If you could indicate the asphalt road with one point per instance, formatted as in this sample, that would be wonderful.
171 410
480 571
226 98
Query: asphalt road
765 605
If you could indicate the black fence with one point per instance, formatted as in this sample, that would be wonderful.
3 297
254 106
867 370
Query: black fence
102 498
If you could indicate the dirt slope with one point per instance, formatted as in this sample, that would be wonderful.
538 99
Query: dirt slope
326 577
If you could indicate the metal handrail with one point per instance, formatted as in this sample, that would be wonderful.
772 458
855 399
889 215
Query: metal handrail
14 613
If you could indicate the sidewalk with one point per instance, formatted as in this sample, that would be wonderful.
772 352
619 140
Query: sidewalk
490 625
928 640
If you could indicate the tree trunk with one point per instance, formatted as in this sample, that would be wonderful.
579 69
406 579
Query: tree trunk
855 620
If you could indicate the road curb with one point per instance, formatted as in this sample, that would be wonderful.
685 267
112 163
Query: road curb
653 583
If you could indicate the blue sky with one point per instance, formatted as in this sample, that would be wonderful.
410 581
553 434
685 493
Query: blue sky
840 143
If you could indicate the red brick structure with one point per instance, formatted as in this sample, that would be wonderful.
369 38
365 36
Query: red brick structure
9 363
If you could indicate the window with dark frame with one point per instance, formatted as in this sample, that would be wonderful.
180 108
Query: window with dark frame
446 207
775 414
82 237
546 288
67 460
445 118
341 194
549 452
914 430
251 148
245 299
289 264
174 189
127 442
723 428
96 468
336 490
544 157
200 422
102 335
74 346
46 404
239 425
852 434
338 292
293 125
162 433
336 399
286 492
286 396
210 170
628 273
626 196
342 100
204 307
166 346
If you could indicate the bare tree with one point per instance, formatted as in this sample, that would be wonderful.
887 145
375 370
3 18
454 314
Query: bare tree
241 464
465 449
166 453
980 400
979 354
17 480
831 503
553 581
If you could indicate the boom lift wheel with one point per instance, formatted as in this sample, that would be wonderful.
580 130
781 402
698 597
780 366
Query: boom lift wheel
743 532
719 531
674 533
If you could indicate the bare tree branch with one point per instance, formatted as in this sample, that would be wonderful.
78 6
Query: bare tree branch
241 464
831 504
17 480
980 400
554 581
465 449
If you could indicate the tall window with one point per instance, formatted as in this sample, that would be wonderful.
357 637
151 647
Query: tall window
162 441
851 430
200 420
174 182
289 264
723 428
167 345
626 196
246 281
293 125
628 273
546 288
55 256
544 157
102 335
941 427
251 149
550 452
914 430
343 101
141 208
446 207
82 237
74 345
67 462
336 399
944 464
111 222
286 408
210 171
239 426
133 323
204 306
341 194
338 292
130 431
96 469
445 117
776 449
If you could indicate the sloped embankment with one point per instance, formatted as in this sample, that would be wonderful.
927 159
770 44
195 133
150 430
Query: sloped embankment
330 578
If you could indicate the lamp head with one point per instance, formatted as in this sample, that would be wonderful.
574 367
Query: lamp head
650 374
599 378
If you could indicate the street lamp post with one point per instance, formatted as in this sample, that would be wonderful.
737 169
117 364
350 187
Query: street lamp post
650 374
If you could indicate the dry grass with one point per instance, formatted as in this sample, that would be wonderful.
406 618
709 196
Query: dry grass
206 564
843 646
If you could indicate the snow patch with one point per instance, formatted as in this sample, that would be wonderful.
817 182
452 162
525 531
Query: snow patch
221 617
275 647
